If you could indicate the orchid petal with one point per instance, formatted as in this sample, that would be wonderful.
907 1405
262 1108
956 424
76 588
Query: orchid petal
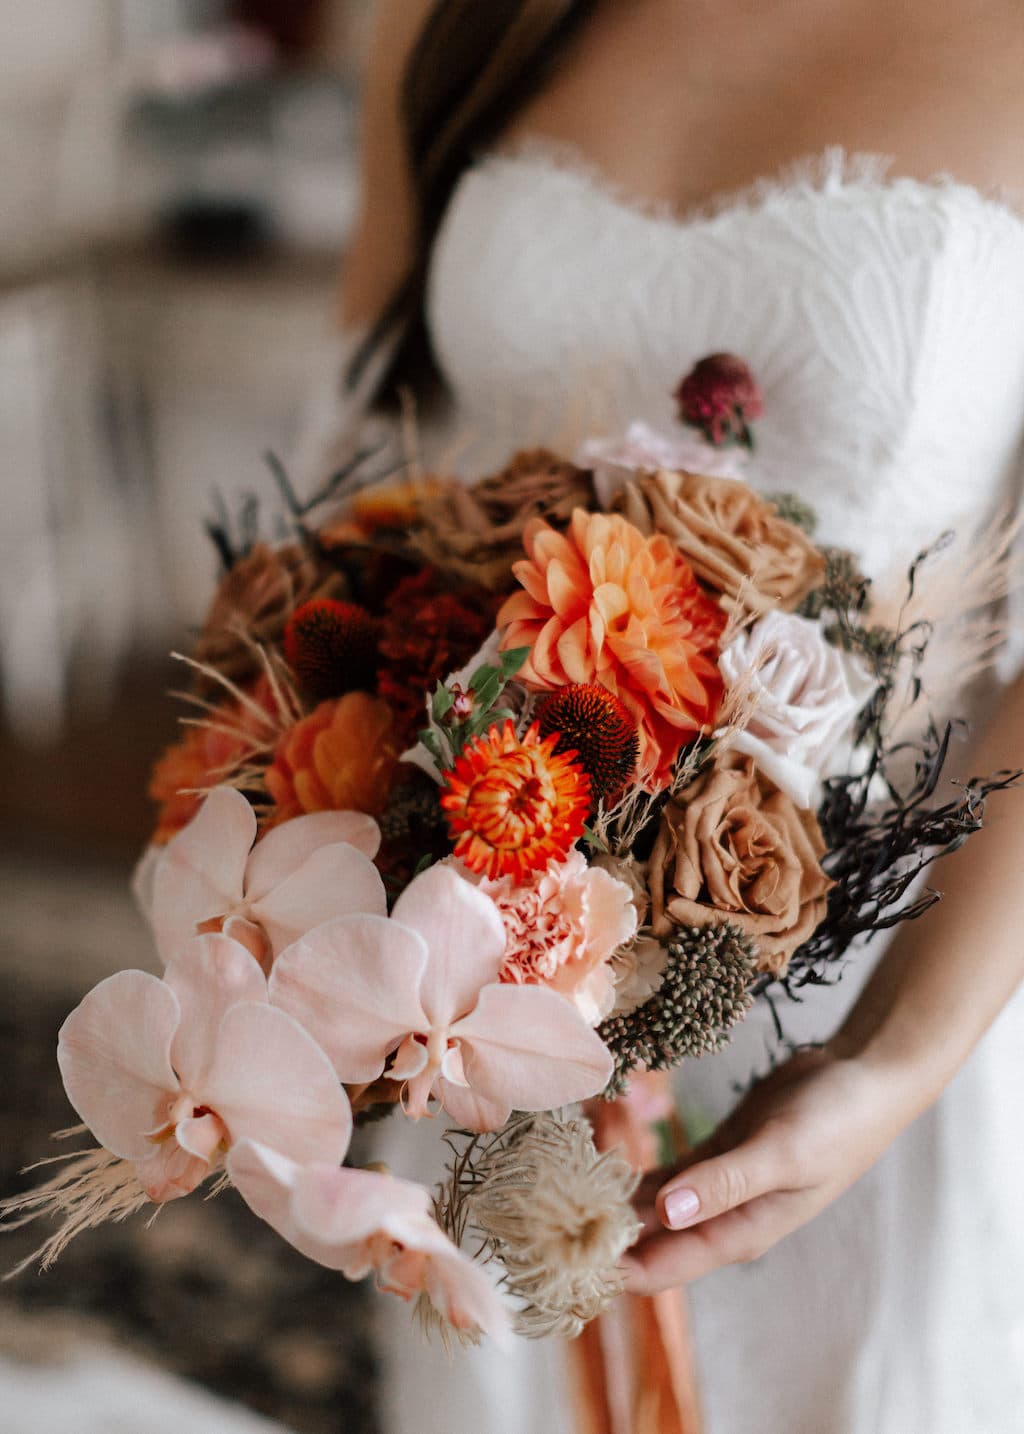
114 1053
464 935
334 881
202 870
462 1291
341 1218
287 847
530 1047
200 1136
265 1178
212 974
410 1058
343 1208
339 1209
170 1172
271 1082
452 1068
354 985
471 1109
253 937
417 1092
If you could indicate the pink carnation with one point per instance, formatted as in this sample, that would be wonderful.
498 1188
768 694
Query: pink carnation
561 930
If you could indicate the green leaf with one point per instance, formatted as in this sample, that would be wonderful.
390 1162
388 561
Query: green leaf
483 674
425 860
428 737
488 692
592 840
441 702
513 660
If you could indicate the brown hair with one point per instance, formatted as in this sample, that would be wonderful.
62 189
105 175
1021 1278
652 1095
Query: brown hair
474 65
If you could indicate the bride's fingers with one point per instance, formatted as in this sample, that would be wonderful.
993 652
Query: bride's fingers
665 1260
714 1186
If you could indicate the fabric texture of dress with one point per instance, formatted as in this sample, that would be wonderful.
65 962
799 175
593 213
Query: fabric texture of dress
884 320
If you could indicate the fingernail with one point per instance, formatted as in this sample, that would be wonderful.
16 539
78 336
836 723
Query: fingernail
681 1208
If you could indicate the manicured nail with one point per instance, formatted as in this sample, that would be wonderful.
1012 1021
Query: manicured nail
681 1208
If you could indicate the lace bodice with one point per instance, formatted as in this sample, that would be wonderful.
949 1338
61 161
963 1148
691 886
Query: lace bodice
883 318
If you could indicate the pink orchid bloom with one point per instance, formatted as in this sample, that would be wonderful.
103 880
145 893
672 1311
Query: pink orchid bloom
303 872
169 1073
422 987
361 1222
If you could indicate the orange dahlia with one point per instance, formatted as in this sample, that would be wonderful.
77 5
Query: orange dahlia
340 758
602 603
514 804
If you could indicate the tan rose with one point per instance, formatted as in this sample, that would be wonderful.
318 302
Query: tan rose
735 541
477 532
732 848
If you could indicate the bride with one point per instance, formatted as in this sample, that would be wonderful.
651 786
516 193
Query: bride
562 195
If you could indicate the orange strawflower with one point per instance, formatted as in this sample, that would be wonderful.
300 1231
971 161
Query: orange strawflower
342 757
602 603
515 804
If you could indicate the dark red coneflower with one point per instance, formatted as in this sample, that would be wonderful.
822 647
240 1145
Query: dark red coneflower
592 722
331 647
720 396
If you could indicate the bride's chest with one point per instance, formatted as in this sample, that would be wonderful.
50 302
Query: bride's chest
884 322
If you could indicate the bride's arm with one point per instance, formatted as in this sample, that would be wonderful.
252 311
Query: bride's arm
807 1133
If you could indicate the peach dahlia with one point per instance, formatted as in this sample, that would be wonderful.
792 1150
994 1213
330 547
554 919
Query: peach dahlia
603 603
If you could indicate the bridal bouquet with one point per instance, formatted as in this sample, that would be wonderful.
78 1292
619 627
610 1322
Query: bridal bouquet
492 796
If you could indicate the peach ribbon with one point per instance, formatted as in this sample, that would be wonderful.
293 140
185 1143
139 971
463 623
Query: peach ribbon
633 1367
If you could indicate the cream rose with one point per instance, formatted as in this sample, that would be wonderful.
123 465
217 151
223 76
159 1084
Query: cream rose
806 695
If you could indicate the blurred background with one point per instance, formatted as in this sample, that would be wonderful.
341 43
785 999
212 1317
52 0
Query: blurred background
178 180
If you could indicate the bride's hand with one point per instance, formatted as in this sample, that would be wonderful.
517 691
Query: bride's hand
797 1141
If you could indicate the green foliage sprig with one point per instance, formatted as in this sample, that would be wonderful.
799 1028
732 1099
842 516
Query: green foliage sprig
458 716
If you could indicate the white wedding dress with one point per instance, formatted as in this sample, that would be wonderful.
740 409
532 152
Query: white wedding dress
884 320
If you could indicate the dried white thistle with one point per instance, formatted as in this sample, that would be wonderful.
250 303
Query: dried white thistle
553 1210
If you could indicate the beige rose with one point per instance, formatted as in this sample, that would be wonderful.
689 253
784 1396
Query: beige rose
477 532
735 541
732 848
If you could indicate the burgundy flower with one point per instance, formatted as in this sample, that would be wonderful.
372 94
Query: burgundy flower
720 397
426 634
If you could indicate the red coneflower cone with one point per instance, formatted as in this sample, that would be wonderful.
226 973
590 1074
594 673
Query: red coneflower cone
592 722
331 646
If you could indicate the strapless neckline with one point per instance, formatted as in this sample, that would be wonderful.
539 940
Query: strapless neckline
828 173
